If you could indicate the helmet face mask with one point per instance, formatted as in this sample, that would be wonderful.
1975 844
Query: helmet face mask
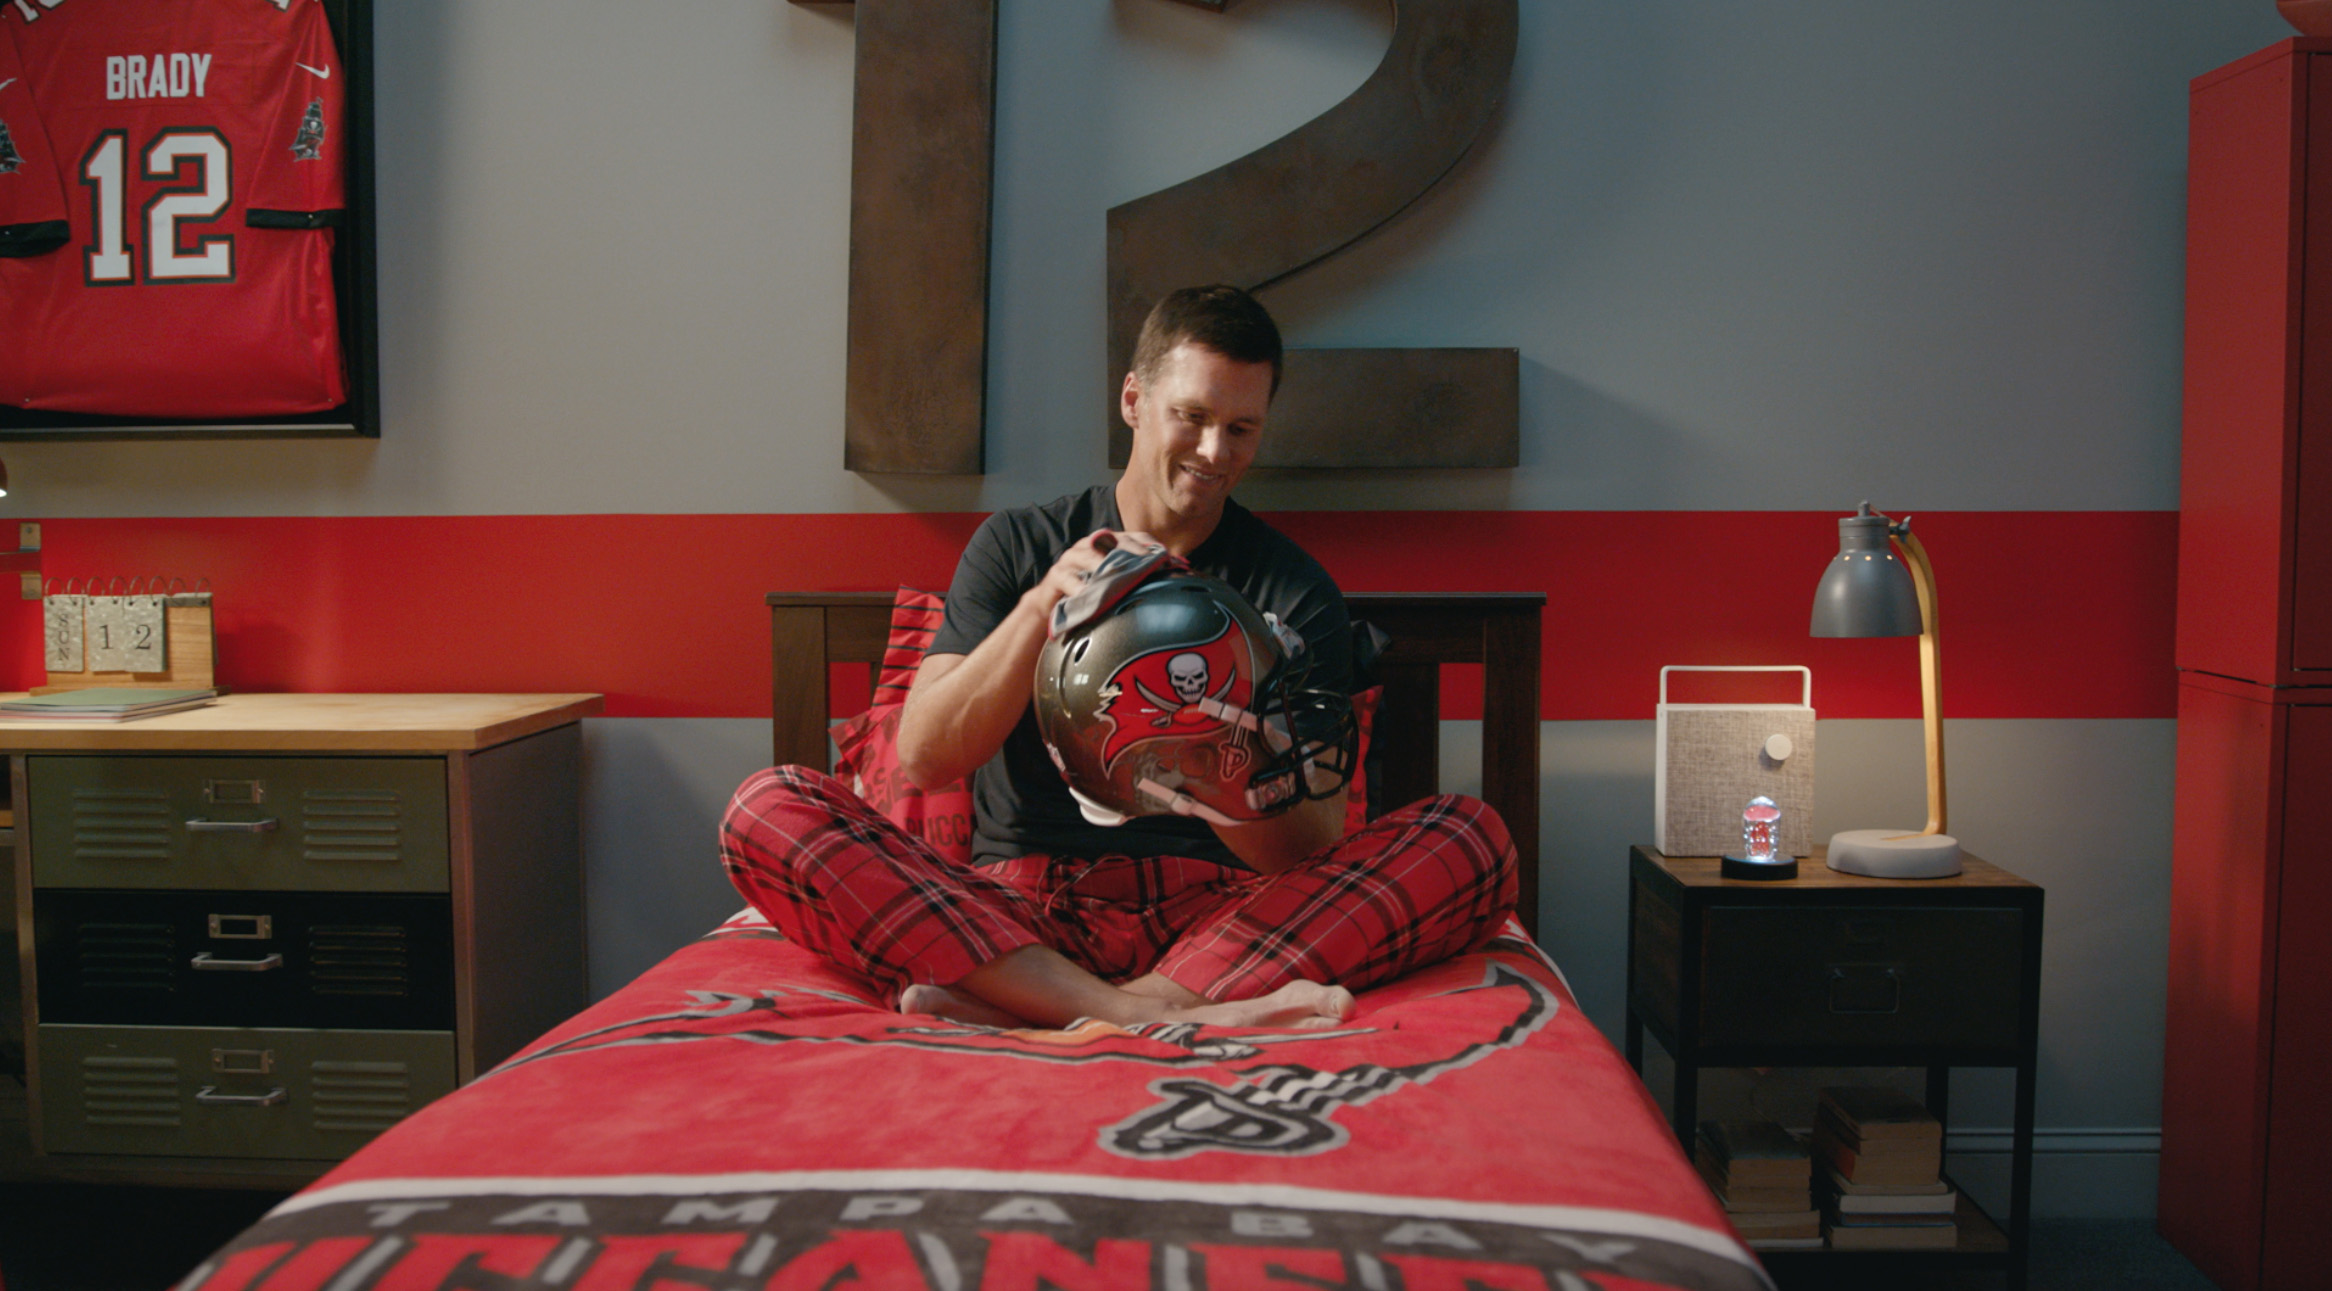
1182 700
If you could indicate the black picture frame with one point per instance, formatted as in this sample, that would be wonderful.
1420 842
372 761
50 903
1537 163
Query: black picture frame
355 281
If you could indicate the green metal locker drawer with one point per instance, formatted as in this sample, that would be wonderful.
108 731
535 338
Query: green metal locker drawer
312 824
239 1092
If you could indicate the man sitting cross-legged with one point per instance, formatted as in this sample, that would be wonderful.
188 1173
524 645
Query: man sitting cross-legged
1163 918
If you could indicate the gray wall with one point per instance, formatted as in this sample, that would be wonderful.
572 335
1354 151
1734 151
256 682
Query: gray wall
1754 256
1770 256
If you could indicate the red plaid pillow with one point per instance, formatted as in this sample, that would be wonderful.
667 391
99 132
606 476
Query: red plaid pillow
868 744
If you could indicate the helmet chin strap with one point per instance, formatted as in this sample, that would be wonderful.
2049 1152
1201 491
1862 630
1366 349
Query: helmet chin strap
1273 733
1182 804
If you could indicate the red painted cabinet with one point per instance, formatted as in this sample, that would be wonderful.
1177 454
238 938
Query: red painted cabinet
2299 1108
2255 484
2246 1114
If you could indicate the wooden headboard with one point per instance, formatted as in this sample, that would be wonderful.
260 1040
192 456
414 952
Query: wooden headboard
1497 630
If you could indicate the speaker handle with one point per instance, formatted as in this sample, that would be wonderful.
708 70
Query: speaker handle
1807 697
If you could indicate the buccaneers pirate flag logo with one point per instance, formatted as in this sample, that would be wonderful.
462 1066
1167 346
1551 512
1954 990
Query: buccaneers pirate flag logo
1180 690
1249 1092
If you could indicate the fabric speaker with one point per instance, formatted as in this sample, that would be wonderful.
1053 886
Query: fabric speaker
1713 758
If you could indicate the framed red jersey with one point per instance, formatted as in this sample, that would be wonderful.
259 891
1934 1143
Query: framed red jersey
181 183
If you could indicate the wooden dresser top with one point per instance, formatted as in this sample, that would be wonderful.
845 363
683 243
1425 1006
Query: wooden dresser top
313 723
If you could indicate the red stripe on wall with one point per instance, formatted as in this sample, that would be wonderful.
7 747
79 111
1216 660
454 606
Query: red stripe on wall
2044 614
662 614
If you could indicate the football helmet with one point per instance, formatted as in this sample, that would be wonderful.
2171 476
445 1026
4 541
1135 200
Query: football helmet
1170 695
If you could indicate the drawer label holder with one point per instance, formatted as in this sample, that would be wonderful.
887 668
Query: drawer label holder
242 1062
242 927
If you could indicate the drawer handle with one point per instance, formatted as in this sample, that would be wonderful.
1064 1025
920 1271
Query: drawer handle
210 1094
208 963
1866 991
200 826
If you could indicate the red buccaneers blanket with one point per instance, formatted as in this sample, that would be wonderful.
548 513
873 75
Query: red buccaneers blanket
744 1116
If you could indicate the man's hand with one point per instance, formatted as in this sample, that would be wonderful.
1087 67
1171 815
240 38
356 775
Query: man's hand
1279 842
1070 571
963 706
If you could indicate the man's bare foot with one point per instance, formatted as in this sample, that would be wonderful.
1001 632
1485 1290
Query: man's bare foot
1304 1006
956 1006
1035 985
1158 986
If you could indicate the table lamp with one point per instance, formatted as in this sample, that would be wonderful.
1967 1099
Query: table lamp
1869 592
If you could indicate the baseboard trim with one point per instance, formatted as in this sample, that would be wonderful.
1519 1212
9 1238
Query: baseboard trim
1984 1140
2078 1172
2085 1140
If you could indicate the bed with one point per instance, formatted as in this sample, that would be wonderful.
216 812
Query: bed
743 1115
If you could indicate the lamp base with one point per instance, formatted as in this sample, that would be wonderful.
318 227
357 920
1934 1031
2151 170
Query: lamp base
1893 854
1741 867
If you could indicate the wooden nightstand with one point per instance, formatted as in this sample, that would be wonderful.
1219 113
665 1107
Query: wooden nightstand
1839 970
253 935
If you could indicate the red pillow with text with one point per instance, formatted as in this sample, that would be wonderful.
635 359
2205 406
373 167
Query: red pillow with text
867 745
1364 715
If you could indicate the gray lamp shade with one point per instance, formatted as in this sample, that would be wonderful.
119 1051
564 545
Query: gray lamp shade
1866 591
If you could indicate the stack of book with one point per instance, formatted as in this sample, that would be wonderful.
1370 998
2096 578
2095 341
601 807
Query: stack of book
1764 1178
104 704
1881 1154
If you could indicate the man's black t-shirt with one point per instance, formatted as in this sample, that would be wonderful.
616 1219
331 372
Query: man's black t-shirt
1022 804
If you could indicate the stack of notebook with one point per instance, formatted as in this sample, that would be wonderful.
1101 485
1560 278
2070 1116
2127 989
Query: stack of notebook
1881 1154
104 704
1762 1174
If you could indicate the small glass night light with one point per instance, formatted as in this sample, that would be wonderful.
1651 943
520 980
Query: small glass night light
1760 856
1760 824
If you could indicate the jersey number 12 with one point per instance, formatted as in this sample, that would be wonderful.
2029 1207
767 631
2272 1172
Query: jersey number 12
202 168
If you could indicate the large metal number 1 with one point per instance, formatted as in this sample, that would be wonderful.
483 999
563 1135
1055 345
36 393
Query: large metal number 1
1311 193
922 141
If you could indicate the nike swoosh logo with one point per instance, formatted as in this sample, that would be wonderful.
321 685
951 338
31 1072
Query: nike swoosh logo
5 84
322 73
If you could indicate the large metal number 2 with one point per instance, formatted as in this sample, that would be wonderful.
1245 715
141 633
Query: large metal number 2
922 141
1309 194
921 148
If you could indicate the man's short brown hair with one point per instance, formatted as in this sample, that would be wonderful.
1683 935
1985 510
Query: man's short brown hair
1222 318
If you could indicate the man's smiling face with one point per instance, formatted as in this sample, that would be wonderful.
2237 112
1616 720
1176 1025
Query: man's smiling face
1196 420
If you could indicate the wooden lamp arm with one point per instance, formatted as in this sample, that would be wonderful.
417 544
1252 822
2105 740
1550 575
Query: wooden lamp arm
1930 684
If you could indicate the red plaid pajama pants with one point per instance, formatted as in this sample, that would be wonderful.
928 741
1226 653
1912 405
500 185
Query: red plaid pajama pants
1410 889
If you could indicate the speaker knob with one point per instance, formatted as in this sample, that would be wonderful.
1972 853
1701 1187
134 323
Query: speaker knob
1778 747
